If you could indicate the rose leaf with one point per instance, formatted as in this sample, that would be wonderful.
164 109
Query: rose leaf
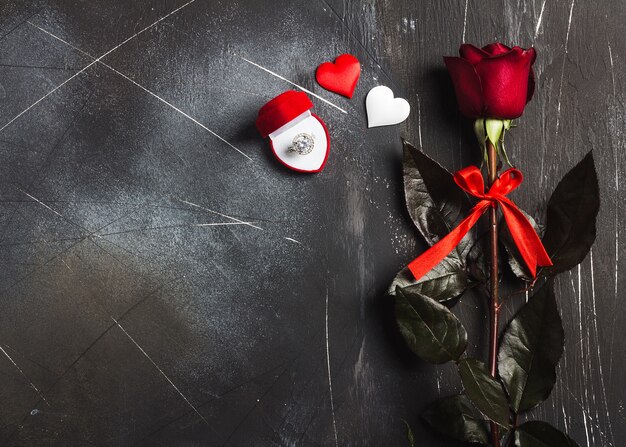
484 391
435 202
571 217
541 434
456 417
446 281
429 329
530 350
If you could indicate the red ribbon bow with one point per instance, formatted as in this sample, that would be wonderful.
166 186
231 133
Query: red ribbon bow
471 181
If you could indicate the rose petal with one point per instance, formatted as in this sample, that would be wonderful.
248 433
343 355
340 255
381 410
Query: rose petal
505 82
493 49
472 54
467 86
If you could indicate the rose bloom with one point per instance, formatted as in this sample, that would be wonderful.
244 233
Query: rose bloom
494 81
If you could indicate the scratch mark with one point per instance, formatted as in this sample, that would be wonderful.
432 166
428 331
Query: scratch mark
612 67
92 63
220 224
165 227
161 371
330 380
586 416
192 119
582 353
154 95
358 41
106 331
257 403
593 283
62 216
464 22
21 23
569 25
292 83
220 214
65 250
285 365
543 5
43 204
90 233
595 324
558 107
32 385
41 241
67 265
244 92
617 196
419 121
320 400
47 162
39 67
293 240
616 164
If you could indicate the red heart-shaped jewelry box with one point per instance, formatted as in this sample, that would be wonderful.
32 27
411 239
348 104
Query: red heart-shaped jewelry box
287 117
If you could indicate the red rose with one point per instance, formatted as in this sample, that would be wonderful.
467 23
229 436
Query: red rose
494 81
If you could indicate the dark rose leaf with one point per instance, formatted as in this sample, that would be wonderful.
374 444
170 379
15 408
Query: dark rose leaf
530 350
541 434
435 202
436 205
430 330
484 391
443 283
457 418
571 217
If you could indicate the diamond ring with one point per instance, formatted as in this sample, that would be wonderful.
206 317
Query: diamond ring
302 144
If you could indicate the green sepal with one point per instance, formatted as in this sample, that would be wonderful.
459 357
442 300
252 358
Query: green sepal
494 129
480 132
481 136
409 434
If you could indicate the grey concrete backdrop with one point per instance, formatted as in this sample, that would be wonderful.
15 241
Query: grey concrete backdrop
164 281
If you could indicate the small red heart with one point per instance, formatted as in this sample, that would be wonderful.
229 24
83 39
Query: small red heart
341 76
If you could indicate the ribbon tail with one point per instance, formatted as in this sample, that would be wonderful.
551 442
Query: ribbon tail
435 254
526 239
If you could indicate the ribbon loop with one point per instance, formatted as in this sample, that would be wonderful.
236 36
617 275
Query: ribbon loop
507 182
471 181
526 239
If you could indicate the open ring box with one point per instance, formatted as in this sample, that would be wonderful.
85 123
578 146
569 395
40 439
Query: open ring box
285 117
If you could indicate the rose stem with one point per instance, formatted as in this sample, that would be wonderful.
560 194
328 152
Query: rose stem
492 167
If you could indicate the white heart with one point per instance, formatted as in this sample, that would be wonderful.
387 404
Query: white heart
383 109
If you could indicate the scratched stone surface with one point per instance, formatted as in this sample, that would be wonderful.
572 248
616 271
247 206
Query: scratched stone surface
164 281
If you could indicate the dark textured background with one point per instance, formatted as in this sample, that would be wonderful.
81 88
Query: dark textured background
125 320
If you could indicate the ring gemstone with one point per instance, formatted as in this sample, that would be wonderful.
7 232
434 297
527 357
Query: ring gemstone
302 144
